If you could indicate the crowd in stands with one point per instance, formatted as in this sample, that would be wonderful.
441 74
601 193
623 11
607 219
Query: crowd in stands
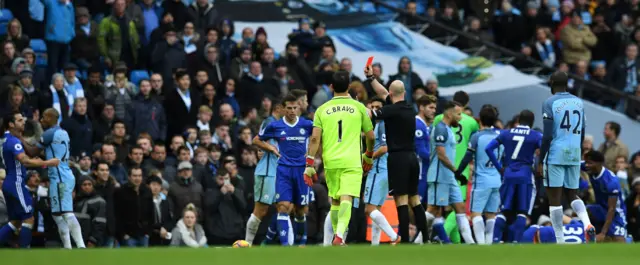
162 100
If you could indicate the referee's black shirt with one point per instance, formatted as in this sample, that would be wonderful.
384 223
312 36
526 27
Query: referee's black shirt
399 124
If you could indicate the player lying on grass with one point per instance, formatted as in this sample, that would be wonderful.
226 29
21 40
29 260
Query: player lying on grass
485 194
609 212
292 187
572 230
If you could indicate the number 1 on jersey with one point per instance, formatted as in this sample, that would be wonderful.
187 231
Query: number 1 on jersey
339 131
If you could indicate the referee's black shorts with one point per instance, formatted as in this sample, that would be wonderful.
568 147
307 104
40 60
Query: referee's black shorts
404 173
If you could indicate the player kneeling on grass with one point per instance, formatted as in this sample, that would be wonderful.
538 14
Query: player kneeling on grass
291 133
377 185
485 194
609 212
443 189
265 183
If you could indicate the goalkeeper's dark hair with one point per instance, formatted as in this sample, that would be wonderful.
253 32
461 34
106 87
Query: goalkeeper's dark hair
526 117
340 81
461 97
488 117
594 156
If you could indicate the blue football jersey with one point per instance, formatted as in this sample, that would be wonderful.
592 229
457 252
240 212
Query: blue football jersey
485 173
380 163
442 135
573 233
422 146
520 145
11 148
269 161
567 113
606 185
55 143
292 140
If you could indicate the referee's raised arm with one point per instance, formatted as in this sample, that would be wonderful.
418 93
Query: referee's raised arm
380 90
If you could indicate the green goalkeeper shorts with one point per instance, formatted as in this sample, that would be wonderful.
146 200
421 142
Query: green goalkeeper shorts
344 181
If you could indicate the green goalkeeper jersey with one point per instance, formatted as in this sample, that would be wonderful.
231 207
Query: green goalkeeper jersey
468 126
342 119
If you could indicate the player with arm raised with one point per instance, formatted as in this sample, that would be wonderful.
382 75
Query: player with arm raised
265 182
564 127
609 212
55 143
485 193
14 187
518 191
338 123
376 187
291 133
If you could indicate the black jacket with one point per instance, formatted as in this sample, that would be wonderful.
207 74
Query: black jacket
162 217
107 191
178 116
134 211
250 91
147 115
91 211
224 213
80 130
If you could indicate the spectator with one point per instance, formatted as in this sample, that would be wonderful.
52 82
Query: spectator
204 118
623 31
249 120
151 15
210 63
72 84
606 46
268 62
247 40
254 86
105 186
204 137
224 209
120 93
80 128
297 68
108 155
157 86
180 13
191 139
12 76
168 55
544 48
406 74
91 211
147 115
222 138
134 12
84 47
4 214
83 166
577 40
202 78
188 232
612 147
39 78
410 20
633 210
163 214
59 98
587 144
60 30
182 105
324 94
95 91
203 13
146 143
177 141
118 38
623 72
8 55
102 125
260 44
157 35
227 44
185 190
212 35
328 56
248 160
134 159
229 98
190 38
209 99
134 211
15 35
118 138
507 27
240 65
347 65
16 102
158 162
621 171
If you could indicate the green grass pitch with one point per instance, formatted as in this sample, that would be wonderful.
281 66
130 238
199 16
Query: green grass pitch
433 254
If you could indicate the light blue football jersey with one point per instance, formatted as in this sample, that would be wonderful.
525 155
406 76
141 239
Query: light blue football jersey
567 113
380 163
442 135
55 142
269 161
486 174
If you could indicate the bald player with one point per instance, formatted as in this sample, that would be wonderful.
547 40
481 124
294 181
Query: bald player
55 143
402 163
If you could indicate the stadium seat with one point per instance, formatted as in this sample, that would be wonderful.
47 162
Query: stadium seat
40 49
137 76
5 17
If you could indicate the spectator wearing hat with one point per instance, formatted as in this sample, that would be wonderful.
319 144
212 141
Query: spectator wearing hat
84 47
259 44
203 13
72 83
147 115
181 105
39 79
80 128
227 44
163 221
577 40
185 189
83 165
15 35
247 40
91 211
179 10
17 65
60 30
168 55
118 38
225 208
134 211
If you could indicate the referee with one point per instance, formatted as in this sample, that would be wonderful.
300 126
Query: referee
402 163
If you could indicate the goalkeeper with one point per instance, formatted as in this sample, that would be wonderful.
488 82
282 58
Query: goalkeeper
339 123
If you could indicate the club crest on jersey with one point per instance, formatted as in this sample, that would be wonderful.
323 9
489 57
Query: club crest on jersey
302 131
418 133
18 147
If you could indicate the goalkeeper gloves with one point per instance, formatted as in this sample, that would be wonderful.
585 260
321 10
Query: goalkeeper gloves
310 174
367 161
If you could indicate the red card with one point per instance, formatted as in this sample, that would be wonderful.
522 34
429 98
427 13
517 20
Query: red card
370 61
